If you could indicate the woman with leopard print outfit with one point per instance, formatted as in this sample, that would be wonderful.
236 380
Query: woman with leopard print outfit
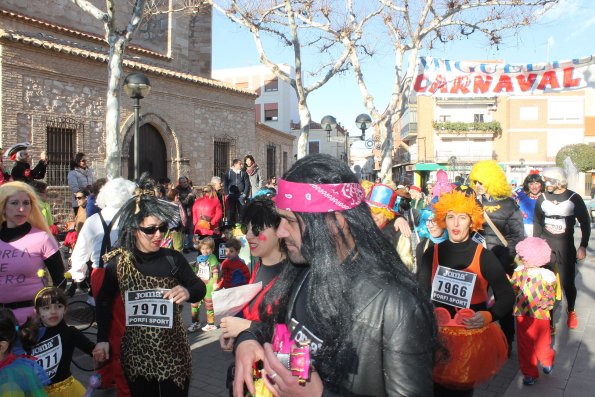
153 282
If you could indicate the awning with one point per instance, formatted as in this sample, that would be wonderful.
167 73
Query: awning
429 167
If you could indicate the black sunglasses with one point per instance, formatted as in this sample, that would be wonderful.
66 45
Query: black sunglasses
153 229
79 197
255 229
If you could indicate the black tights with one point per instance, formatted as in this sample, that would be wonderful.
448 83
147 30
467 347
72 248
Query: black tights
564 256
143 387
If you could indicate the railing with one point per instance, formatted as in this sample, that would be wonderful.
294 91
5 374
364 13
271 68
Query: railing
410 129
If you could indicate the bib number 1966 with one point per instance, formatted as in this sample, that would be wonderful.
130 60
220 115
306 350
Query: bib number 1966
453 287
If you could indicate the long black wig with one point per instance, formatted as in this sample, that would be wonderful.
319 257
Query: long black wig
141 205
331 295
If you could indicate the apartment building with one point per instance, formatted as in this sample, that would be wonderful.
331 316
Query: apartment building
520 132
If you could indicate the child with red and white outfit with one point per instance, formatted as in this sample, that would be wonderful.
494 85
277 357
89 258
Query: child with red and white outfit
535 290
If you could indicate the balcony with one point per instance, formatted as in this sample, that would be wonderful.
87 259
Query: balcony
409 131
476 129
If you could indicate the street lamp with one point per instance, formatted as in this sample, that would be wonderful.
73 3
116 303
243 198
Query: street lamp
136 86
328 123
363 122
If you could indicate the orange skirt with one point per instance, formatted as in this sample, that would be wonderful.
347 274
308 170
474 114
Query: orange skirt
474 356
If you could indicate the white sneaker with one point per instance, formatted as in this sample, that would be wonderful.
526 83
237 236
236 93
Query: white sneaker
91 301
194 327
209 327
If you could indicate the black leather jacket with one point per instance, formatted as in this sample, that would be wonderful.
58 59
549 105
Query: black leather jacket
391 339
507 217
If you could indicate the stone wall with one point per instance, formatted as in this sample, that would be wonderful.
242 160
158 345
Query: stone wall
40 84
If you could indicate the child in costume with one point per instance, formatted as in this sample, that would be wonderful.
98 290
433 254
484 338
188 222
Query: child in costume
234 271
19 375
207 269
535 290
52 342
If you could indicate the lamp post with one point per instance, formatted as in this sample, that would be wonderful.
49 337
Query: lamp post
328 123
136 86
363 122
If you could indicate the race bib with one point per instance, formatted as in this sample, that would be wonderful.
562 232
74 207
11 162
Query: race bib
148 308
49 354
222 251
479 239
300 333
555 226
204 271
453 287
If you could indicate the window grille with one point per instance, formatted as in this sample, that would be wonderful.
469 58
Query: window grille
61 147
221 157
271 160
478 118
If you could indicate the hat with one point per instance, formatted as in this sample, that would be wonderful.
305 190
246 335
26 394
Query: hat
402 192
413 187
14 149
383 196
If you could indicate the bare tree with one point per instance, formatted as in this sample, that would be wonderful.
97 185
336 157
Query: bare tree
117 40
416 25
284 20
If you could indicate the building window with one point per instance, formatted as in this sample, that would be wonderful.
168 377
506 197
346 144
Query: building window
271 115
565 110
313 147
478 118
221 159
528 113
61 147
284 162
271 160
271 85
444 118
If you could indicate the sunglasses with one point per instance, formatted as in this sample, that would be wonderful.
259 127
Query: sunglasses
255 229
153 229
206 191
79 197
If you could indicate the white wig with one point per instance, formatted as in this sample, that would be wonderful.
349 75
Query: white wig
556 175
115 193
215 179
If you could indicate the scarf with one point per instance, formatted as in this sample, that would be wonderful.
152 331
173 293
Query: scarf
251 170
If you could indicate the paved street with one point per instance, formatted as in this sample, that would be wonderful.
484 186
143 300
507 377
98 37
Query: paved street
572 375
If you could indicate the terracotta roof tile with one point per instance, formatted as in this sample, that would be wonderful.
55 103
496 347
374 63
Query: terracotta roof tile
51 43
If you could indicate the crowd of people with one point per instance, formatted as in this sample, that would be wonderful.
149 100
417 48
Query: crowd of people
361 288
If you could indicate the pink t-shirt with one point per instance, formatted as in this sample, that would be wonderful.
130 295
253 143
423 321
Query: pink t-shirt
19 262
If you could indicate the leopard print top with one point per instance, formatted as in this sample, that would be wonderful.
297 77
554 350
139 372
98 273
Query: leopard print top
150 352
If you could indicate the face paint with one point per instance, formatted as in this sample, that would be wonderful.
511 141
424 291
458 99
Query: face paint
262 237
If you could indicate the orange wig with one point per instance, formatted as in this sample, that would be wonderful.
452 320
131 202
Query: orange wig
458 202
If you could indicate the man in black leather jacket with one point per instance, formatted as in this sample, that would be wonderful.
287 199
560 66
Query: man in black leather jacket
370 331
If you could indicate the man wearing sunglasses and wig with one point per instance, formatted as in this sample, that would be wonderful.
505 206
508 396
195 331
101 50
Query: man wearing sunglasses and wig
153 283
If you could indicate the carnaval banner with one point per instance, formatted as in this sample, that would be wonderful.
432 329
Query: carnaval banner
442 77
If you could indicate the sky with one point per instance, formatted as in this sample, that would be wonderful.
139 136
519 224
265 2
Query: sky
565 32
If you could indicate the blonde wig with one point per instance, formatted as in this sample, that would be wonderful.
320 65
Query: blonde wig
459 203
388 214
36 219
492 177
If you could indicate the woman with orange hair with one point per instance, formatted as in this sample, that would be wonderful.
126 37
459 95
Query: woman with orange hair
456 275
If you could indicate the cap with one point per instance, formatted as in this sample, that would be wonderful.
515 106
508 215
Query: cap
14 149
413 187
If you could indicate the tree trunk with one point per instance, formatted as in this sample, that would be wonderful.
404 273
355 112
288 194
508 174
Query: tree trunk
305 119
385 134
112 114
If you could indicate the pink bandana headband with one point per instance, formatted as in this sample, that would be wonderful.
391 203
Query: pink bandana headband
311 197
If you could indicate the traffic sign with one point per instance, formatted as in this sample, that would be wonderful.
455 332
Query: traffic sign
369 143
